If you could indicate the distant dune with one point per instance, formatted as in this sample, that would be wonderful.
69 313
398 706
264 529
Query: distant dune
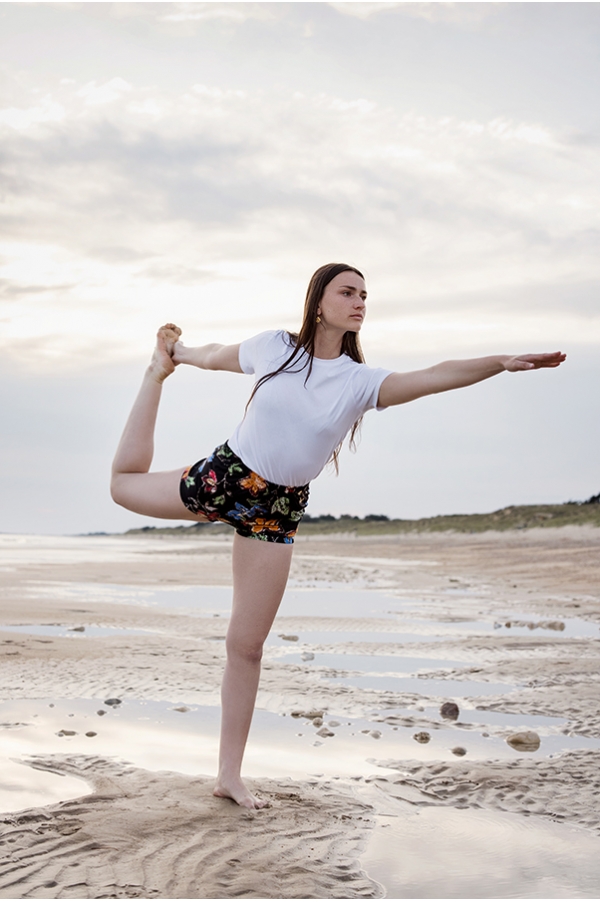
524 516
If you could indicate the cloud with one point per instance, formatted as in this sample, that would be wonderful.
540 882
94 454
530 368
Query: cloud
113 89
222 201
463 14
232 12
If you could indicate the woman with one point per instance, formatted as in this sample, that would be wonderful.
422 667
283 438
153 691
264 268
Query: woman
311 390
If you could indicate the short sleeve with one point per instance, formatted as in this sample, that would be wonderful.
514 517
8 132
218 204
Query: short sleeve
254 350
372 380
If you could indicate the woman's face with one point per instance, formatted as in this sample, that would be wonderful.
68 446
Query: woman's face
343 305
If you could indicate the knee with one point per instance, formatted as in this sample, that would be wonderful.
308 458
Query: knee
244 650
116 490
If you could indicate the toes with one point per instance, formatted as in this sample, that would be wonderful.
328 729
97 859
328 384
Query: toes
170 327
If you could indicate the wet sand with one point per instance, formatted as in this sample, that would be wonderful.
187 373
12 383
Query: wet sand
372 638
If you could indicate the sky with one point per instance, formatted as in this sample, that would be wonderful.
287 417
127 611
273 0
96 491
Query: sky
196 162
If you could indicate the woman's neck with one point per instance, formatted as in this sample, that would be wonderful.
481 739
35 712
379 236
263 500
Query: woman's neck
328 343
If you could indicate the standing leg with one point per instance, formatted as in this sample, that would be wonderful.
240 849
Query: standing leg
260 572
132 486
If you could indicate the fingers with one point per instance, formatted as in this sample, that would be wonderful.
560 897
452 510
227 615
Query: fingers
535 361
539 361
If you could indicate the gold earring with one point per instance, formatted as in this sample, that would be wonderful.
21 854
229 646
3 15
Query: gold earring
318 318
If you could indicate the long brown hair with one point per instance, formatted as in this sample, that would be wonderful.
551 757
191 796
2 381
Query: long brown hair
303 342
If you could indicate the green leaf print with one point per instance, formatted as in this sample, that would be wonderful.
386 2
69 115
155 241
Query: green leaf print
282 506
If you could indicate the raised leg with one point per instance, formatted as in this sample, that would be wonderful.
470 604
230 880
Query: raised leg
132 486
260 572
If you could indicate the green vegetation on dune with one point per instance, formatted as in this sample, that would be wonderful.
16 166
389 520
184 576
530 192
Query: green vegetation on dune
573 513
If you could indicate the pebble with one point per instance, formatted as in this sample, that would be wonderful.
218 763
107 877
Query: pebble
307 656
375 734
325 733
76 629
182 709
423 736
527 741
112 702
91 733
288 638
66 733
310 715
450 710
101 713
459 751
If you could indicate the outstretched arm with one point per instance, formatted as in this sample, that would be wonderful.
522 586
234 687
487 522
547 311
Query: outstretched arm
209 357
398 388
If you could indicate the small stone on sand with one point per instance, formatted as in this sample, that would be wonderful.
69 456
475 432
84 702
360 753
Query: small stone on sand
450 710
527 741
552 625
307 656
112 702
459 751
325 733
423 736
182 709
91 733
310 715
76 629
101 712
288 638
375 734
66 733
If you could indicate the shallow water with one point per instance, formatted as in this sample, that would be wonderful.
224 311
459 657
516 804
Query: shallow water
388 664
324 601
62 631
157 736
480 855
456 689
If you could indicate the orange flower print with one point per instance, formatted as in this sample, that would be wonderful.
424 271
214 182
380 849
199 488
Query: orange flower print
254 483
260 523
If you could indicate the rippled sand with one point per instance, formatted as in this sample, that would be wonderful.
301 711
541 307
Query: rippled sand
372 637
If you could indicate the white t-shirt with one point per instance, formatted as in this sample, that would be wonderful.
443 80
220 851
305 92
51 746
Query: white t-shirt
291 428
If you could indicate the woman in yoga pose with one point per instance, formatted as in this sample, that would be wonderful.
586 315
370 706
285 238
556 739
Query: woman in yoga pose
311 389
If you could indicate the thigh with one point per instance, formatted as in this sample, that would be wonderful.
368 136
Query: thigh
153 495
260 573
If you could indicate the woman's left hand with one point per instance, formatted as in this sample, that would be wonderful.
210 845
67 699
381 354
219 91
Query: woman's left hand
534 361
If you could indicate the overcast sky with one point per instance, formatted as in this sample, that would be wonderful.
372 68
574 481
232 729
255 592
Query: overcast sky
196 162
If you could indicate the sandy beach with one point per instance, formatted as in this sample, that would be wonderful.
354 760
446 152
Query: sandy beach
112 654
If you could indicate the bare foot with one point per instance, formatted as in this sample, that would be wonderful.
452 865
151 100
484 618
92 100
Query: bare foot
162 364
237 790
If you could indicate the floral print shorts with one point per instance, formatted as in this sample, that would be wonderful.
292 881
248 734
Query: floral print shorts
223 488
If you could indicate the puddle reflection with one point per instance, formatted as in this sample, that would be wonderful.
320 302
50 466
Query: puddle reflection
61 631
184 738
480 855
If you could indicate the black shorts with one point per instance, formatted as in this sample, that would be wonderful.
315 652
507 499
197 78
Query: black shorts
223 488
